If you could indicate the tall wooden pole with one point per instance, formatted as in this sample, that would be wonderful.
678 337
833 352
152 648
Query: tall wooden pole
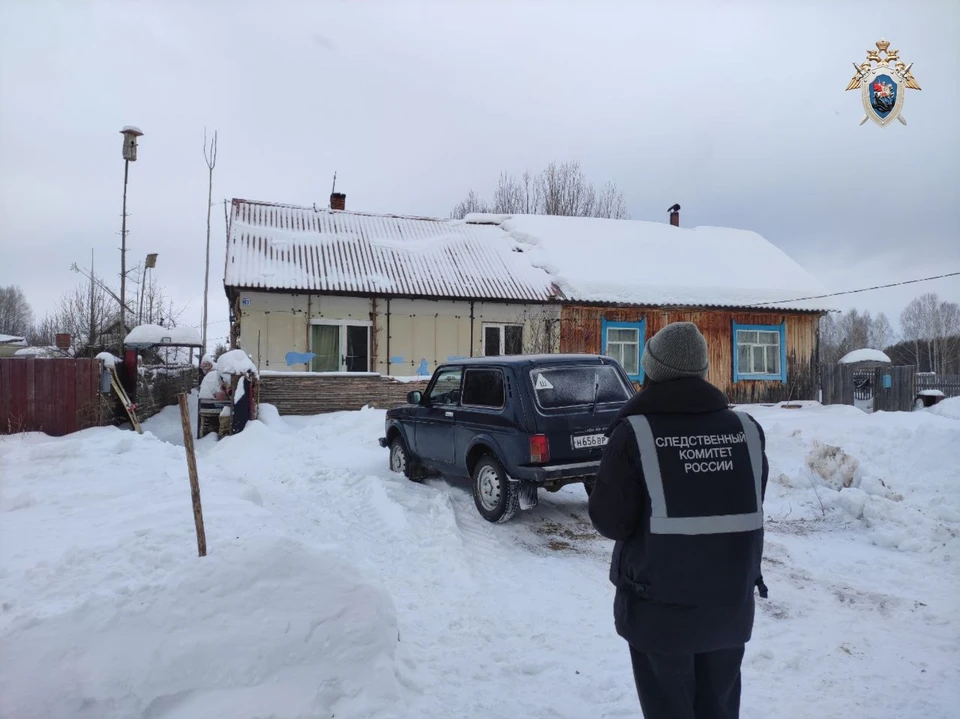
123 258
192 470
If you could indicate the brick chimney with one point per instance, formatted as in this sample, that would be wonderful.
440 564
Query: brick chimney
338 201
675 215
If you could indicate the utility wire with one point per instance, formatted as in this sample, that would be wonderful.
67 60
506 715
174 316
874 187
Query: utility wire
862 289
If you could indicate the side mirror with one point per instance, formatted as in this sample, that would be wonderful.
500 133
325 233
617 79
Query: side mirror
414 397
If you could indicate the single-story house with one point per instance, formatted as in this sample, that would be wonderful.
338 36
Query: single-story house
330 293
621 281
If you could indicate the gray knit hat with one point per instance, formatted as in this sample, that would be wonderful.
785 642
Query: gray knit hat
676 351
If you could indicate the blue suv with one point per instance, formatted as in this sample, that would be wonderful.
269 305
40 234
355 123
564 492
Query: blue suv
509 424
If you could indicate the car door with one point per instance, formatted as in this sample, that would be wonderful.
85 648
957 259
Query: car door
436 417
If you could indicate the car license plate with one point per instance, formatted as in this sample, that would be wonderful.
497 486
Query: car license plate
586 441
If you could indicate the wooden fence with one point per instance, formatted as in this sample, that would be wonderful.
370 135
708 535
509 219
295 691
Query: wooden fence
55 396
892 389
949 384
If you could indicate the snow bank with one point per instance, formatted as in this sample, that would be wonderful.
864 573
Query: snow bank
109 613
865 355
949 408
156 335
893 474
236 362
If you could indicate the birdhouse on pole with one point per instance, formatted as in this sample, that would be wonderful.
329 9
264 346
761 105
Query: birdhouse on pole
130 135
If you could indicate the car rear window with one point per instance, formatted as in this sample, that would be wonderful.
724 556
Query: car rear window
573 386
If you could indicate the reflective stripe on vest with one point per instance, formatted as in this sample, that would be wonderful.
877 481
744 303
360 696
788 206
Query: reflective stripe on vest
661 522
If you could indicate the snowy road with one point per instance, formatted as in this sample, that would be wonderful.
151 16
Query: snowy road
494 620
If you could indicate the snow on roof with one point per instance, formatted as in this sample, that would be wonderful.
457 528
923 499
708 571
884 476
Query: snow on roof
652 263
865 355
236 362
273 246
157 335
12 340
42 352
511 257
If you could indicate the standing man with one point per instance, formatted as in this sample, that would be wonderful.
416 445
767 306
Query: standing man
680 489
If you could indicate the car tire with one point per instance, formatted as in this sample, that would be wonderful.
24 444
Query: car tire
588 487
402 463
496 497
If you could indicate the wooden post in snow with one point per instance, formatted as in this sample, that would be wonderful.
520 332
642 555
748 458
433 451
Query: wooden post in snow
192 469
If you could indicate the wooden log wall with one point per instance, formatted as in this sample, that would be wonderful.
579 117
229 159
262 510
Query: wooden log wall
304 394
580 328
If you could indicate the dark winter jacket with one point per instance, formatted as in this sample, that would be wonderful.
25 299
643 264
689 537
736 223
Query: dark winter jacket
685 575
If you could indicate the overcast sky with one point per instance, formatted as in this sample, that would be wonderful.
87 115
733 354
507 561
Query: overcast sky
736 110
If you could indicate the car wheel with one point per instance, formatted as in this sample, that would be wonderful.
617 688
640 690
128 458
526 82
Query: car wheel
588 487
496 497
401 462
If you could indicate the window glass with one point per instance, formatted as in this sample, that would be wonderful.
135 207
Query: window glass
491 340
574 385
623 345
446 390
513 340
483 388
758 352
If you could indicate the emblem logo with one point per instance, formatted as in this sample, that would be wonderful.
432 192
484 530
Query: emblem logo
882 82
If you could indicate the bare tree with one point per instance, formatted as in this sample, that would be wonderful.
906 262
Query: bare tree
559 189
853 330
210 155
44 332
881 333
15 313
472 203
86 318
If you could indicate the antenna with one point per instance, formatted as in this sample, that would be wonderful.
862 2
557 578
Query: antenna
334 188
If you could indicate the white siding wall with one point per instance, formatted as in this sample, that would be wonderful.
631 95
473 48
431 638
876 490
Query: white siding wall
274 324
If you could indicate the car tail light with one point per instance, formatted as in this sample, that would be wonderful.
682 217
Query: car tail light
539 449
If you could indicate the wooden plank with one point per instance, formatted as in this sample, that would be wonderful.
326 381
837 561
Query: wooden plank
194 479
66 370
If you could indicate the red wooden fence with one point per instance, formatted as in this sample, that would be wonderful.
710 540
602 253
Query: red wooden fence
56 396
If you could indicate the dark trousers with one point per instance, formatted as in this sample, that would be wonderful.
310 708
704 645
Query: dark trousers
688 686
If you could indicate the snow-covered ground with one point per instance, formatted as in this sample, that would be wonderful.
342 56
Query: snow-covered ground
333 588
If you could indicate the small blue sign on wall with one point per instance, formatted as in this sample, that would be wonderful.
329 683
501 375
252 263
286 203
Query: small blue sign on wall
887 381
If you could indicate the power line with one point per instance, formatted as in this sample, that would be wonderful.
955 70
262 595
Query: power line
862 289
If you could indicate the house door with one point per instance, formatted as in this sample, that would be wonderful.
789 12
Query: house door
340 348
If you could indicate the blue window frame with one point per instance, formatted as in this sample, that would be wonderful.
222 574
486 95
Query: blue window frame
759 353
623 341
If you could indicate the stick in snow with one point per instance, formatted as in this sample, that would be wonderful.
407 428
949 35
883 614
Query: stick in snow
194 481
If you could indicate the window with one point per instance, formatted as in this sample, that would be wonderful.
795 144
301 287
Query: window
576 385
483 388
502 340
759 352
340 346
446 388
623 341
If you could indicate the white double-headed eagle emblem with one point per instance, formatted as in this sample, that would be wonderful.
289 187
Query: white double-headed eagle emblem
881 81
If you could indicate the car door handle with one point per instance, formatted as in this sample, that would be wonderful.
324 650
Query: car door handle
448 414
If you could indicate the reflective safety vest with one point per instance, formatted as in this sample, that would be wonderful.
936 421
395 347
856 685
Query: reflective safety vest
707 458
704 539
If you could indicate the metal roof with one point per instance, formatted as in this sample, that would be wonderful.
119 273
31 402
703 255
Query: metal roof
273 246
